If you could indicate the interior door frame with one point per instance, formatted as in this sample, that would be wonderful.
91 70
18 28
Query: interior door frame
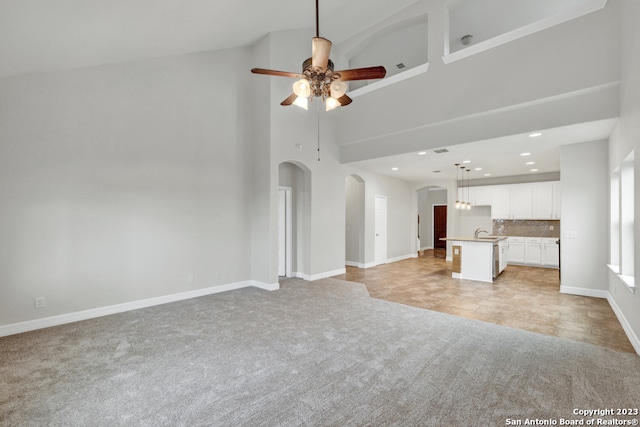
288 229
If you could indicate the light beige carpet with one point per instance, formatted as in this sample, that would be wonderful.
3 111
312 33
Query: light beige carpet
316 354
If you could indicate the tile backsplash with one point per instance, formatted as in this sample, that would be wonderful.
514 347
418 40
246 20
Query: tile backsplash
526 228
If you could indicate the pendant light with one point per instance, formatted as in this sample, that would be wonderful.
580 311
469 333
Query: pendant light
468 197
463 205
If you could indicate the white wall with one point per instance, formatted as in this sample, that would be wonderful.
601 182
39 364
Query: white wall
625 138
118 182
585 190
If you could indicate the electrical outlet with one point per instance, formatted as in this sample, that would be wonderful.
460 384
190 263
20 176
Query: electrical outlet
551 227
39 302
190 279
217 275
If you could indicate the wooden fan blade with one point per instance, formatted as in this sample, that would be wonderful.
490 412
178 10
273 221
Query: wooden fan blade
362 73
344 100
275 73
320 50
289 100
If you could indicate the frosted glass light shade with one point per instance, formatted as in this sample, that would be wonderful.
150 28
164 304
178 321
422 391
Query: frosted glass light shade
302 102
331 103
302 88
338 88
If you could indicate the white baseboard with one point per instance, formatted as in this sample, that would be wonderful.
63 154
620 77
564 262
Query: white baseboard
265 286
401 258
312 277
585 292
373 264
633 338
360 264
47 322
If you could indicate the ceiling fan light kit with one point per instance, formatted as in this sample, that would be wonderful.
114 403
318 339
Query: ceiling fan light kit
318 78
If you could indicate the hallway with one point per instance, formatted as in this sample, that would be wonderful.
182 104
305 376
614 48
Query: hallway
522 297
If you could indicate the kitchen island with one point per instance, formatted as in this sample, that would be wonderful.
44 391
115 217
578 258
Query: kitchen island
481 258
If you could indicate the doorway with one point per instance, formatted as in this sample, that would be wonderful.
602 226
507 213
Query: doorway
427 199
284 232
294 207
439 226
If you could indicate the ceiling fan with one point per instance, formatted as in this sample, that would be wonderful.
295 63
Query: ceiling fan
318 79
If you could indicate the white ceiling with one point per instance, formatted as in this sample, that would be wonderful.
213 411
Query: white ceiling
44 35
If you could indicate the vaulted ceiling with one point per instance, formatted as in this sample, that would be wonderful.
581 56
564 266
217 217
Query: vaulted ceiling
42 36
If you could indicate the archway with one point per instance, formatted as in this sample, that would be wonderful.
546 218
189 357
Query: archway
432 217
294 210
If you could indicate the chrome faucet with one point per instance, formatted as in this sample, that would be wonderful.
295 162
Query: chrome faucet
478 231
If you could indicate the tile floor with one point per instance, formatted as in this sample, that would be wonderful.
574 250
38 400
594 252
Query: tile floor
521 297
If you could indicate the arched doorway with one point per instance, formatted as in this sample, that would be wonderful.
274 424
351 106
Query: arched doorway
432 218
294 209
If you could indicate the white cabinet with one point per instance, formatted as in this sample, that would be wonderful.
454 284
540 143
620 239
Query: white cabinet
477 196
481 196
543 200
533 251
556 199
551 252
539 200
501 201
515 250
521 201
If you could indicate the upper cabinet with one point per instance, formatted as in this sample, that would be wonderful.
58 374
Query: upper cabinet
501 201
543 201
481 196
521 201
539 200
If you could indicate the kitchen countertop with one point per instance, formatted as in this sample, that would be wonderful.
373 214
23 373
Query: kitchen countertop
487 239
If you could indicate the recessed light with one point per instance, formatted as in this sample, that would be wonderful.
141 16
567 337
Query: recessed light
530 163
525 154
466 161
477 169
394 169
422 153
534 170
487 174
535 135
437 171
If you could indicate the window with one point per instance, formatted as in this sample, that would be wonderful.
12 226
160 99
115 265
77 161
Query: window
622 222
